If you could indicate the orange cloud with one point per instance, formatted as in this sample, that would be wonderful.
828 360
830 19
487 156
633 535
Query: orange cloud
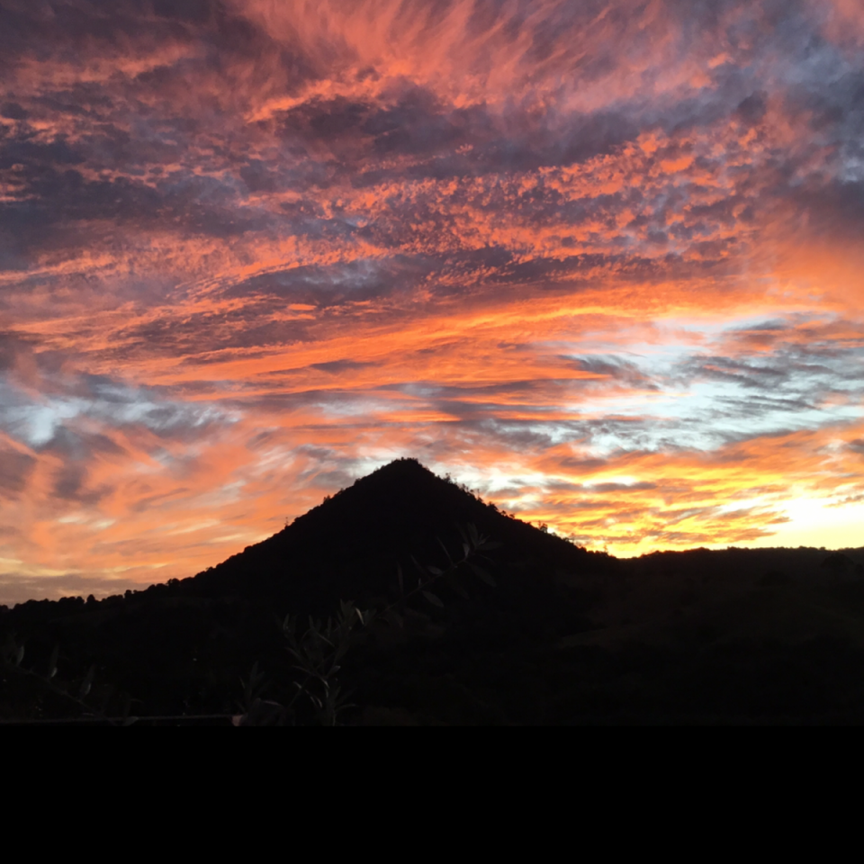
602 263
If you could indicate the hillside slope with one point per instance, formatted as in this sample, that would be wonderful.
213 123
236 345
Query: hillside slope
350 546
565 636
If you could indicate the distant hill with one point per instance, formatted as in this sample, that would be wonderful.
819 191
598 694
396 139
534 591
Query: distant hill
565 636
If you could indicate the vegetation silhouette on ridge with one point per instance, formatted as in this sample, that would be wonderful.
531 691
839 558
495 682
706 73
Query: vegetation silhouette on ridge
569 636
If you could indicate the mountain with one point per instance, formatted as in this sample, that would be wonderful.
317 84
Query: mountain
184 645
350 546
544 632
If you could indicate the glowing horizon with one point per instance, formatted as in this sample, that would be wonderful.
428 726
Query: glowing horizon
601 261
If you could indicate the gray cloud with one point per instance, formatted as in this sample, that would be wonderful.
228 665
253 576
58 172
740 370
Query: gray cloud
15 467
19 588
181 174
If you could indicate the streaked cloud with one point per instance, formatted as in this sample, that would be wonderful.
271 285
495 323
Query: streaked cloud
600 260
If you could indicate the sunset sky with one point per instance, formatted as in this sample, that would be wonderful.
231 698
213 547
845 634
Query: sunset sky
601 260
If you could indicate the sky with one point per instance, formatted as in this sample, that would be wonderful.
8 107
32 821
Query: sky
601 261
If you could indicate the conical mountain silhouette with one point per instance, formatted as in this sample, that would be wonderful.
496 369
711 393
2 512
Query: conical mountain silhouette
350 546
185 645
568 636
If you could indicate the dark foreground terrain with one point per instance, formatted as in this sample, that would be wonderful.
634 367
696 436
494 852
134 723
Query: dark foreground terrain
528 629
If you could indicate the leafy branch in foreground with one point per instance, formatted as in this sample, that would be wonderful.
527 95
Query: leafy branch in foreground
319 649
76 693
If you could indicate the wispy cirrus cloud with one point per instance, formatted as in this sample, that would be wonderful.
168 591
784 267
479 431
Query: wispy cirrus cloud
602 260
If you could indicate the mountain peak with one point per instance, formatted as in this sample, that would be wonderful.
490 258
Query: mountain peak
400 471
349 546
406 465
396 474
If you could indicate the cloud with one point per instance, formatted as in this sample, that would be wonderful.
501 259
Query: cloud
14 469
602 256
19 588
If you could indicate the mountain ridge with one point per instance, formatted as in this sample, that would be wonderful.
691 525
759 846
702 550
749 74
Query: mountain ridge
566 636
341 548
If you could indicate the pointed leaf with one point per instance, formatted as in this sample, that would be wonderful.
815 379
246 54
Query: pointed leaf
52 663
445 550
435 571
461 591
87 683
483 575
435 601
19 655
393 617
